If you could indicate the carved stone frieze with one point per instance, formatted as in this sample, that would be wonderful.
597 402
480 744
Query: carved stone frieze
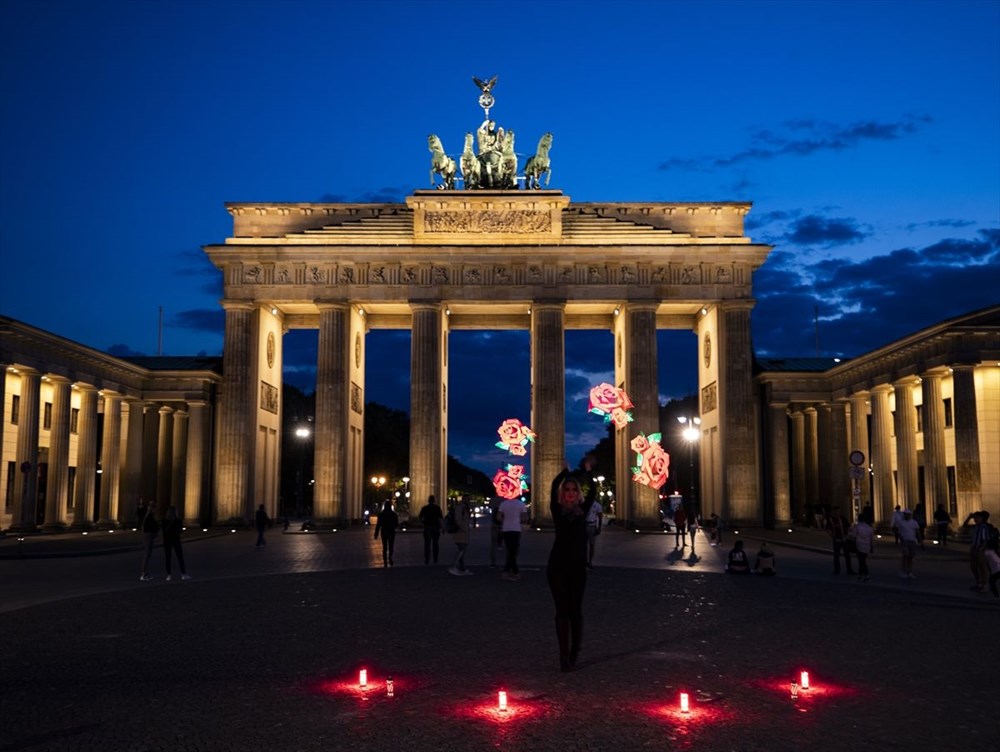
488 222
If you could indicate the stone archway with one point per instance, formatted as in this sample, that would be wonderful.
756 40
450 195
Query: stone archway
487 259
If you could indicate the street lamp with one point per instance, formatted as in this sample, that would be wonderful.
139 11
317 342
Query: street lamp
302 433
691 434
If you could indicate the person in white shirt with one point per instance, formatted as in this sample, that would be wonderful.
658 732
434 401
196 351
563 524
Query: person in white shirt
510 521
595 519
908 531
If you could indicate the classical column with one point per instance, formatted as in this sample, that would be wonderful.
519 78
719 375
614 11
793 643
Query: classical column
859 441
164 461
836 460
332 404
150 450
86 459
642 386
907 492
111 446
427 400
738 427
968 478
780 478
26 485
798 464
812 456
178 463
195 487
548 401
130 487
935 464
882 501
823 443
236 434
57 482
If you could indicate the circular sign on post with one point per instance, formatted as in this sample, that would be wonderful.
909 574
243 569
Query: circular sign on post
25 467
857 458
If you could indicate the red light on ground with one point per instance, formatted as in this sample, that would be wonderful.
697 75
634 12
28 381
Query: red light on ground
685 704
502 702
363 678
804 680
825 689
518 709
695 714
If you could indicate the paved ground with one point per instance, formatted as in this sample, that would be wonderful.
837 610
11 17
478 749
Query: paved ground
260 651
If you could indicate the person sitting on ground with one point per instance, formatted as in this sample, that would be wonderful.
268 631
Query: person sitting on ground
765 560
738 562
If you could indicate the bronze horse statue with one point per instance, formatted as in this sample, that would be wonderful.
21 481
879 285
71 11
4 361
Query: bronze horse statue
508 162
471 168
538 164
441 163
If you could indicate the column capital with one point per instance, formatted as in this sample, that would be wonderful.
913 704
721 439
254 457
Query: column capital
881 389
548 305
329 304
935 374
426 305
164 410
238 305
82 387
746 304
911 380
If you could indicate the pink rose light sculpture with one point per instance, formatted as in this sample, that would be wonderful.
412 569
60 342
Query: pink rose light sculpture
612 403
510 482
651 461
514 436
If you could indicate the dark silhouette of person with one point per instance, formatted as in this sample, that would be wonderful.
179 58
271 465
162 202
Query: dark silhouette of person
567 567
261 520
738 562
430 517
386 525
150 527
172 527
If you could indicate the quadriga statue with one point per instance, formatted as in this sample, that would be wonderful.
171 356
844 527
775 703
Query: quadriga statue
441 163
538 164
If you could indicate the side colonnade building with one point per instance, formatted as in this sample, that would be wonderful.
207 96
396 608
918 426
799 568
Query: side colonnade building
924 411
84 435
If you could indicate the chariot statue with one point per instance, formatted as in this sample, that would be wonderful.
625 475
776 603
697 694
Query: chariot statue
494 163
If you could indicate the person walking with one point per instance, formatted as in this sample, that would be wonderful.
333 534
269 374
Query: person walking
864 544
510 512
262 521
909 532
595 521
386 524
172 527
837 526
430 517
897 517
680 528
942 520
463 521
693 525
981 535
150 527
566 570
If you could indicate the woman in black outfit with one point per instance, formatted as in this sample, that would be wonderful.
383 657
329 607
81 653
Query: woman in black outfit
567 567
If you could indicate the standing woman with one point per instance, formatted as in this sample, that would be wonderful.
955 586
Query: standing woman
567 567
172 527
387 523
864 544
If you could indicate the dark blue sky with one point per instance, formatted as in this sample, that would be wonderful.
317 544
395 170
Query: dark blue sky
867 134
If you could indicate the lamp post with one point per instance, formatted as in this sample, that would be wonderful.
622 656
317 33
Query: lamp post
691 434
302 433
378 481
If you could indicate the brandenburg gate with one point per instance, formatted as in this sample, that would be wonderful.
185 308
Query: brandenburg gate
482 259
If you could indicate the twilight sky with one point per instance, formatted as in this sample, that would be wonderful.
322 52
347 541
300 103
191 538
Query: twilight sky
867 135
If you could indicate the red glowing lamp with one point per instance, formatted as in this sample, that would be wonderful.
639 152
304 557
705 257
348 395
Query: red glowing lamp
685 704
502 701
363 679
804 680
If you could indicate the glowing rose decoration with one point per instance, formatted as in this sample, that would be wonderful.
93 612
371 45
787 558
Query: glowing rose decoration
514 436
612 403
651 461
510 482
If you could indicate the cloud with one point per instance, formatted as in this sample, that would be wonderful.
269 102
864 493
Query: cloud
863 305
817 230
800 138
939 223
